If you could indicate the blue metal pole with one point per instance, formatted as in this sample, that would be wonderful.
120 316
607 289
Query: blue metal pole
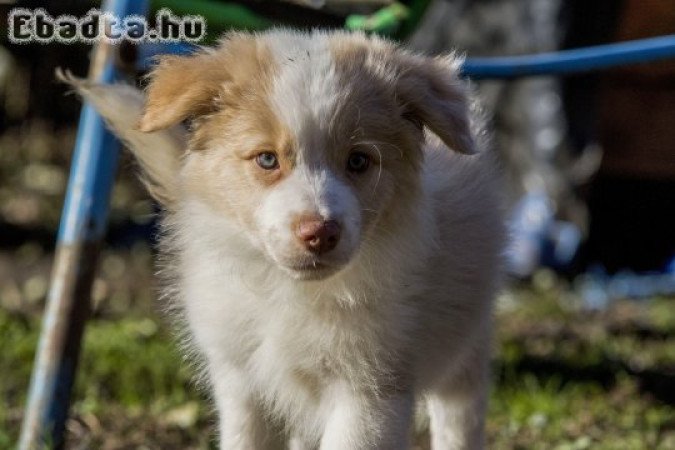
571 61
563 62
83 223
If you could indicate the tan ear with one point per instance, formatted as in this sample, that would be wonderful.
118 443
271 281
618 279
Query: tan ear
433 95
181 87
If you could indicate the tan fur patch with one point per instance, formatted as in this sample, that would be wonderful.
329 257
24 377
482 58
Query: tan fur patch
221 164
191 86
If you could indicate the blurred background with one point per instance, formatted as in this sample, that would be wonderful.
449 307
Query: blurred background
585 355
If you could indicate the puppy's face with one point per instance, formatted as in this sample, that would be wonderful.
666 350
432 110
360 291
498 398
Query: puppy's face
306 141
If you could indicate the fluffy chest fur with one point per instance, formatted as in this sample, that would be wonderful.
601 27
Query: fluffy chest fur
292 341
248 309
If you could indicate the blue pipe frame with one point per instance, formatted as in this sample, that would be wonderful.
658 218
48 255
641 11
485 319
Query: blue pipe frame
83 224
85 212
573 61
560 63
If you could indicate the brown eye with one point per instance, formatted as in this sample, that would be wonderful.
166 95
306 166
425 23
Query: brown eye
267 161
358 162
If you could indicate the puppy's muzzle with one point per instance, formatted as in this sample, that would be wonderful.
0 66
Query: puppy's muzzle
316 234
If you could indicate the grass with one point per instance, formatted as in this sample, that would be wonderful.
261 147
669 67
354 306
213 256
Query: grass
132 391
564 378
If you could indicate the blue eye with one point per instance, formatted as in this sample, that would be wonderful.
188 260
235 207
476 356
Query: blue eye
358 162
267 160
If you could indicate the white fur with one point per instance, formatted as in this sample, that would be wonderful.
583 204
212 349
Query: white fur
322 359
308 192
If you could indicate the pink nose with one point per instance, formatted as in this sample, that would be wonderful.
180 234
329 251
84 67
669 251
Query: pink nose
316 234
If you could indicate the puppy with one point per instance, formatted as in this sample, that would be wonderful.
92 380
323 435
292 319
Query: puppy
331 235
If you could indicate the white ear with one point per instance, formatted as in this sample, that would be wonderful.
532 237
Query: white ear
434 95
158 153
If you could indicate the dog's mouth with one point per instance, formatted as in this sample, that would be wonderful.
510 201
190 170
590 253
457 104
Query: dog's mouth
312 267
316 271
311 270
305 266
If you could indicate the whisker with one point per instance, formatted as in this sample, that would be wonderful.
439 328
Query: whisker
377 142
379 167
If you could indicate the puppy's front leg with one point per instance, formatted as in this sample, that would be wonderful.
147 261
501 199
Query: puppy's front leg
241 423
457 410
456 421
359 421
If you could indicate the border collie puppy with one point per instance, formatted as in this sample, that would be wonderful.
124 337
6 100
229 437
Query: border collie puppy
332 234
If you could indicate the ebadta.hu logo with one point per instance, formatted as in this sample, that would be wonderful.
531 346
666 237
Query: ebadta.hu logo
37 25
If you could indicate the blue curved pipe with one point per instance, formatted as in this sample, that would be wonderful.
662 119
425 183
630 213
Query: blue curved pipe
571 61
563 62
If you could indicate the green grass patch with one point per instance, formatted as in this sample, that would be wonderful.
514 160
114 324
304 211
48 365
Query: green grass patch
564 379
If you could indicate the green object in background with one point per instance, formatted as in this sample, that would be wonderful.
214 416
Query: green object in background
386 21
220 16
397 20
